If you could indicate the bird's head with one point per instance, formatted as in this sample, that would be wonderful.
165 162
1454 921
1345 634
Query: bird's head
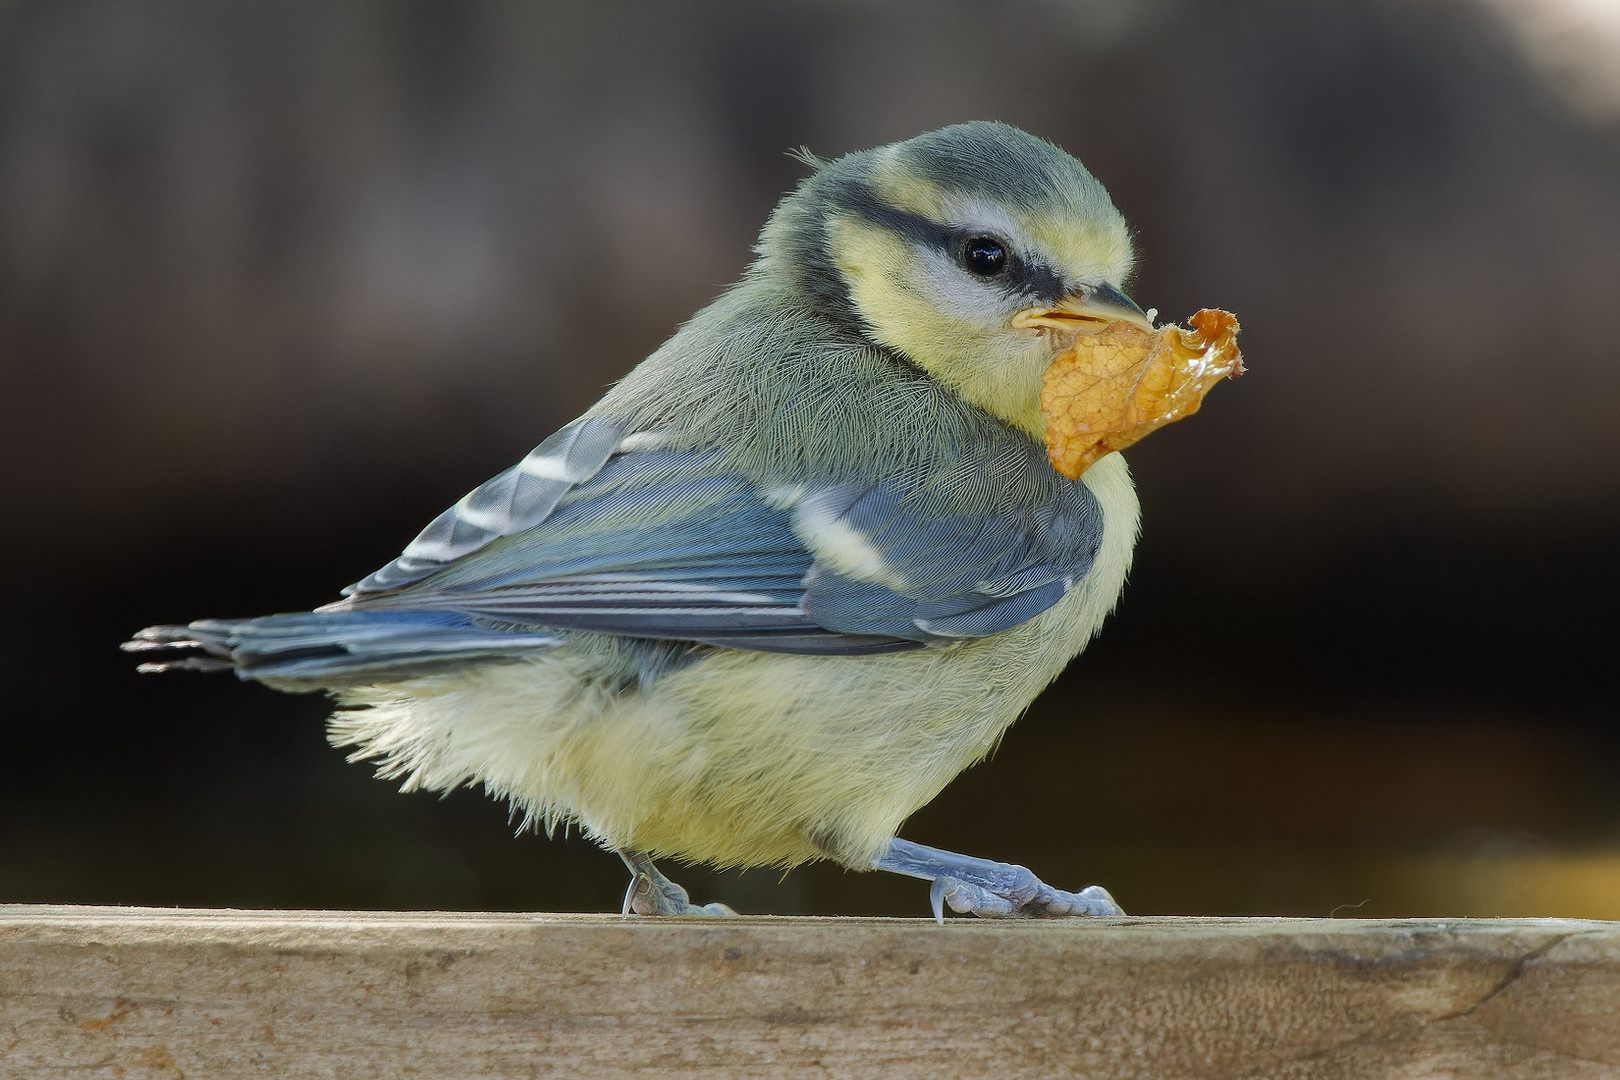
974 251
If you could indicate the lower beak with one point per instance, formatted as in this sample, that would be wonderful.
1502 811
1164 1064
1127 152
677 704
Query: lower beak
1091 309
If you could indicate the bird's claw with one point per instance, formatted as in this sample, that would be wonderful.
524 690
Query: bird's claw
1025 897
655 894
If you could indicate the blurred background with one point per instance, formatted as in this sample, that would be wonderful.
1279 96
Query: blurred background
280 281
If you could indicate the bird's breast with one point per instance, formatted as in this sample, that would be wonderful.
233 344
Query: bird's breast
754 758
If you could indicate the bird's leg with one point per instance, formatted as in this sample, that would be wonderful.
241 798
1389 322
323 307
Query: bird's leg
651 893
991 889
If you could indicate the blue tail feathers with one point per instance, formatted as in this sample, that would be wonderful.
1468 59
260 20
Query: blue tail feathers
315 649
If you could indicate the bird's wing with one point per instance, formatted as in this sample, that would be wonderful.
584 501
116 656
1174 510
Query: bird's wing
596 531
908 560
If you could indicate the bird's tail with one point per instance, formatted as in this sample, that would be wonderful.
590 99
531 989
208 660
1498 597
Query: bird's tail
315 649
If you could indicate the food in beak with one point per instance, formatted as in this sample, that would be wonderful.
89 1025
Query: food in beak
1115 386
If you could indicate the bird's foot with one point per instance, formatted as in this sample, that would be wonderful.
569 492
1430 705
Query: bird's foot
651 893
1021 899
989 889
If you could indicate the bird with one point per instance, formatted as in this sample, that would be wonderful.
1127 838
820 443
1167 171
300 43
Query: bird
789 576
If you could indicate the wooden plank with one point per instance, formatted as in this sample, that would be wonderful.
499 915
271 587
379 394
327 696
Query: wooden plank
143 993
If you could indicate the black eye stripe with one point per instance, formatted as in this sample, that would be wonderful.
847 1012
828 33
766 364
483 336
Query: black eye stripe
1024 276
860 199
1038 280
1021 274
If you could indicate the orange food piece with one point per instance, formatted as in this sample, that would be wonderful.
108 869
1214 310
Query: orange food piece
1115 386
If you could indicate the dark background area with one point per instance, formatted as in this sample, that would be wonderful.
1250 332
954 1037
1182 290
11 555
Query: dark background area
279 281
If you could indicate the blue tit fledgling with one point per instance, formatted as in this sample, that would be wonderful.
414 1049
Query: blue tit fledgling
793 573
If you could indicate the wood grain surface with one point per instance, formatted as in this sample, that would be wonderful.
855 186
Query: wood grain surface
144 993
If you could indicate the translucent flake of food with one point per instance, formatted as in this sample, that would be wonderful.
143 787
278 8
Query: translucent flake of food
1111 388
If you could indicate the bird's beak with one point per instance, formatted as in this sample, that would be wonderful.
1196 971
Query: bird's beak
1091 308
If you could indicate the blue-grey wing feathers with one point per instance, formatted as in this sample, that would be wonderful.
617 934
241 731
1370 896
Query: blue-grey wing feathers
513 501
594 532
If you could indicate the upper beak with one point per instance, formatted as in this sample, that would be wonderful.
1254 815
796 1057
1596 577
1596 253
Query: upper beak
1091 308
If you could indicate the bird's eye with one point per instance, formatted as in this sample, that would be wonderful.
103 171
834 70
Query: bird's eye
984 256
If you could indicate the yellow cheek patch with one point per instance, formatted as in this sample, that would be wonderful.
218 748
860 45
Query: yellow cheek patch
988 365
877 265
